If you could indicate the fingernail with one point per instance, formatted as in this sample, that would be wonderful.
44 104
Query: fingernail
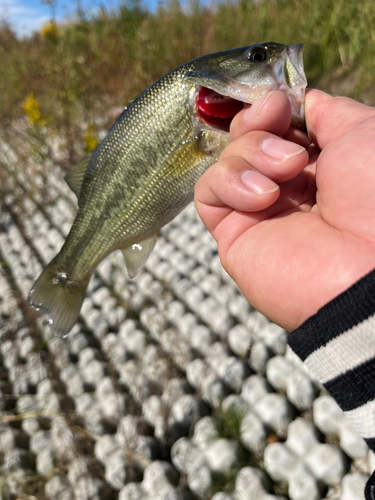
260 102
280 149
258 182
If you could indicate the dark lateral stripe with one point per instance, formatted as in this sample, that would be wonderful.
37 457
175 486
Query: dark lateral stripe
340 315
371 443
355 387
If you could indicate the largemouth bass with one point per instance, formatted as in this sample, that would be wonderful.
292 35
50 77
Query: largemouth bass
143 173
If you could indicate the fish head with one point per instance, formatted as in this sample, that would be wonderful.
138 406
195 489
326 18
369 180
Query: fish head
226 81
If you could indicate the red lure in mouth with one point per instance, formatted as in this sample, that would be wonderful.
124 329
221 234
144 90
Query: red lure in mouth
215 109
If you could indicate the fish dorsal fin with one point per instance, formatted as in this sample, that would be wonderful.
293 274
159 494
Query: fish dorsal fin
136 254
74 178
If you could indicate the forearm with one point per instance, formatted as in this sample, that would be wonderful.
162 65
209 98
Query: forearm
338 346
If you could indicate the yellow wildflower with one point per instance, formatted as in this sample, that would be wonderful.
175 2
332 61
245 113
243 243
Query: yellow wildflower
31 108
49 30
90 139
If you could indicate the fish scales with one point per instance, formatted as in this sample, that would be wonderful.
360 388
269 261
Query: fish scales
147 171
143 173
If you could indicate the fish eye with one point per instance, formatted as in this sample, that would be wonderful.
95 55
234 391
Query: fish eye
257 55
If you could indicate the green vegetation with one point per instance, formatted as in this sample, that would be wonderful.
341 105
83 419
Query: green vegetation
228 422
63 87
225 481
69 77
228 426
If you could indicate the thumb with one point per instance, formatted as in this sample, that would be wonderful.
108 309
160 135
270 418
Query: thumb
328 118
345 180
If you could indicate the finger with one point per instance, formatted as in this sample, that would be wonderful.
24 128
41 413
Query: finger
296 135
225 207
297 195
232 184
271 113
328 118
276 158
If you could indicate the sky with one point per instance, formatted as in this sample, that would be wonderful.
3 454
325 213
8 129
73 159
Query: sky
26 16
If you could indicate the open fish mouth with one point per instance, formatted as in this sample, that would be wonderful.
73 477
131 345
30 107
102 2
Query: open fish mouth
224 96
217 110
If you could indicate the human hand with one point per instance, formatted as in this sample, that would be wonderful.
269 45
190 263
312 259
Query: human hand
294 223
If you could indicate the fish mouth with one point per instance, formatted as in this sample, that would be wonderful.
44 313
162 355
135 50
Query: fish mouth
290 75
217 110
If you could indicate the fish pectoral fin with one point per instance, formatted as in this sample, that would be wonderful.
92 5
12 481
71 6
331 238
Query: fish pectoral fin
136 254
74 178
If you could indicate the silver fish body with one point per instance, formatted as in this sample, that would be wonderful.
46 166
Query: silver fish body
143 173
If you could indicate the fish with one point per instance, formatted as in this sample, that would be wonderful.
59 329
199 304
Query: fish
143 172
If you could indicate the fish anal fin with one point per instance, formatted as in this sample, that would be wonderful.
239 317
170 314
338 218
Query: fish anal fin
74 178
136 254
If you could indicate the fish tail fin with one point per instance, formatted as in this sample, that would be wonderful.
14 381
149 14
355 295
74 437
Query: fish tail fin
59 297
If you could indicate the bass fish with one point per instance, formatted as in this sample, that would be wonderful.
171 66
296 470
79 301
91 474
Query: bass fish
143 173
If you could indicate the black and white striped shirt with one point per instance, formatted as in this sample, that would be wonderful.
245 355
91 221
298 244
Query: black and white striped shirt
337 344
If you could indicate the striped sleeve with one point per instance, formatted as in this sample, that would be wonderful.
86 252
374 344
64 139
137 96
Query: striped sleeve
337 344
